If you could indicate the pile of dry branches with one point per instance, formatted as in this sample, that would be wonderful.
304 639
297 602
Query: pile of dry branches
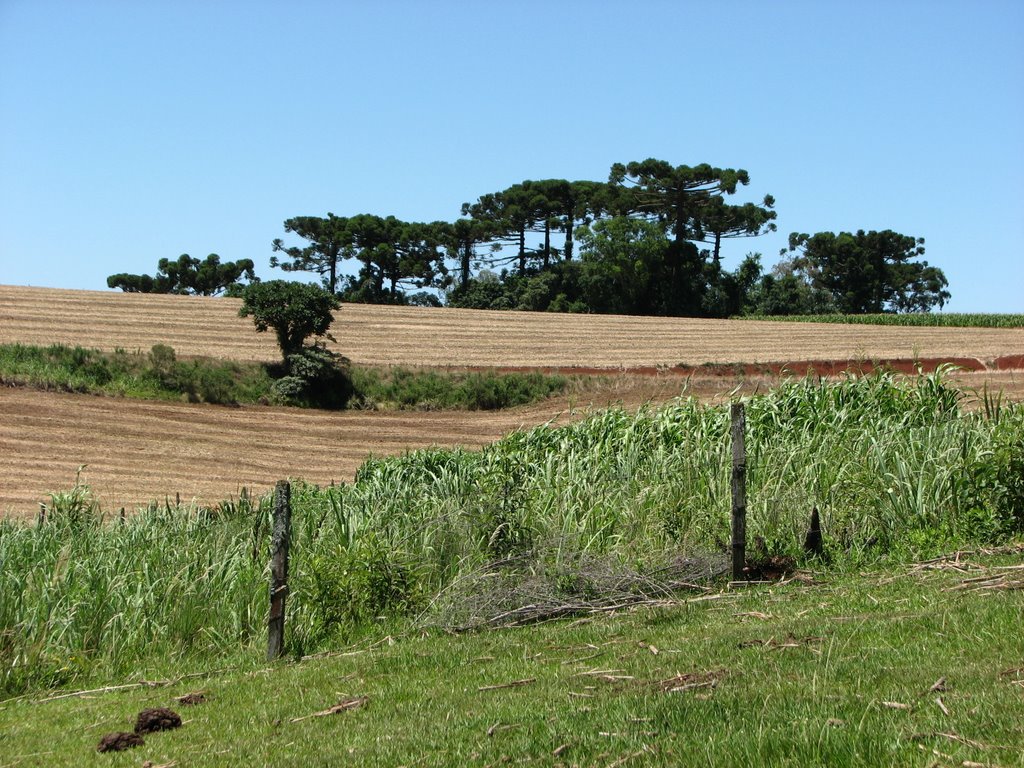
525 590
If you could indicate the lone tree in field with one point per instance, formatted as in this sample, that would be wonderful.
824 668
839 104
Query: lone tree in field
295 311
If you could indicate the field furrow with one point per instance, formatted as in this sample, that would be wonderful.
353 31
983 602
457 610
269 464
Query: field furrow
137 451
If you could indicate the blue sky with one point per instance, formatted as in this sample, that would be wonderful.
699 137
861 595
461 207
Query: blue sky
132 131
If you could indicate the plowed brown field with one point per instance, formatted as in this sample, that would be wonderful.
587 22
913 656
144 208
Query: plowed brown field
439 337
137 451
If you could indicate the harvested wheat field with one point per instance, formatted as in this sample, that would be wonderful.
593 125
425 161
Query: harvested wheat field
377 335
137 451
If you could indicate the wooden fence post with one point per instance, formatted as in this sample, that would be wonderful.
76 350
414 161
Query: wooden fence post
279 541
739 491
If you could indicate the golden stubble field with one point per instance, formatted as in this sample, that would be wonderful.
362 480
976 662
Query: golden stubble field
378 335
137 451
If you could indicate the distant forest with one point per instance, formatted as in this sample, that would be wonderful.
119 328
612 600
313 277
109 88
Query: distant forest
646 242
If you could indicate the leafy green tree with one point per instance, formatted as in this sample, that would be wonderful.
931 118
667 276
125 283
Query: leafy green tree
570 203
487 290
785 292
510 215
189 276
294 311
622 263
330 242
732 293
869 272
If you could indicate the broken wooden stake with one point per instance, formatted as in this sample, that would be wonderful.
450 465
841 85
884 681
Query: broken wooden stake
813 544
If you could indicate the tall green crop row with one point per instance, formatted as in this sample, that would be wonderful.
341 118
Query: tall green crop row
895 467
938 319
77 594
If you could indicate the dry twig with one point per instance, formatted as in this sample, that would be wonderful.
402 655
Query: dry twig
342 706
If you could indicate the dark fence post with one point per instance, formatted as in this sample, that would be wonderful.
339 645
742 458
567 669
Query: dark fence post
279 540
739 491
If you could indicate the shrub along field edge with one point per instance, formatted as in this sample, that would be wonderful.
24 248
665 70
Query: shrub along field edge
160 375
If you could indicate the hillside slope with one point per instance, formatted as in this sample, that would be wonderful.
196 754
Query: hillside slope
378 335
138 451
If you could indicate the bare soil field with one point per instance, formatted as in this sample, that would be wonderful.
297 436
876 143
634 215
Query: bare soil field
137 451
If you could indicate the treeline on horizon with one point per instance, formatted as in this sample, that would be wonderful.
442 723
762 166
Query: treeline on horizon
647 242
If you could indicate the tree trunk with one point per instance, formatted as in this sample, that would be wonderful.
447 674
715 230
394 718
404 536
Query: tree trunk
467 251
569 221
334 270
522 250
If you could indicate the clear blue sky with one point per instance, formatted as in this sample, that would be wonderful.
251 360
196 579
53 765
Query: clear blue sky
136 130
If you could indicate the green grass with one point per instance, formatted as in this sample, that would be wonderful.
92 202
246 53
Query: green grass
154 375
160 375
410 389
551 516
835 672
946 319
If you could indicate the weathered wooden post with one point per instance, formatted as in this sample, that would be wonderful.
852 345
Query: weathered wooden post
739 491
279 540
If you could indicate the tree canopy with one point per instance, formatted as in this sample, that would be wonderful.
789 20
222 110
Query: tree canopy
295 311
869 271
189 276
687 202
330 241
648 240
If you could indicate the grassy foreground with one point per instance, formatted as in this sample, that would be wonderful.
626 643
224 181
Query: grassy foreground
916 665
617 507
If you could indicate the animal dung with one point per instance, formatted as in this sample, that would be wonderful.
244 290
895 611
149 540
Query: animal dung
159 719
119 741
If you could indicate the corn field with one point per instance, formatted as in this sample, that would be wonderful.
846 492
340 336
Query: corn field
917 319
